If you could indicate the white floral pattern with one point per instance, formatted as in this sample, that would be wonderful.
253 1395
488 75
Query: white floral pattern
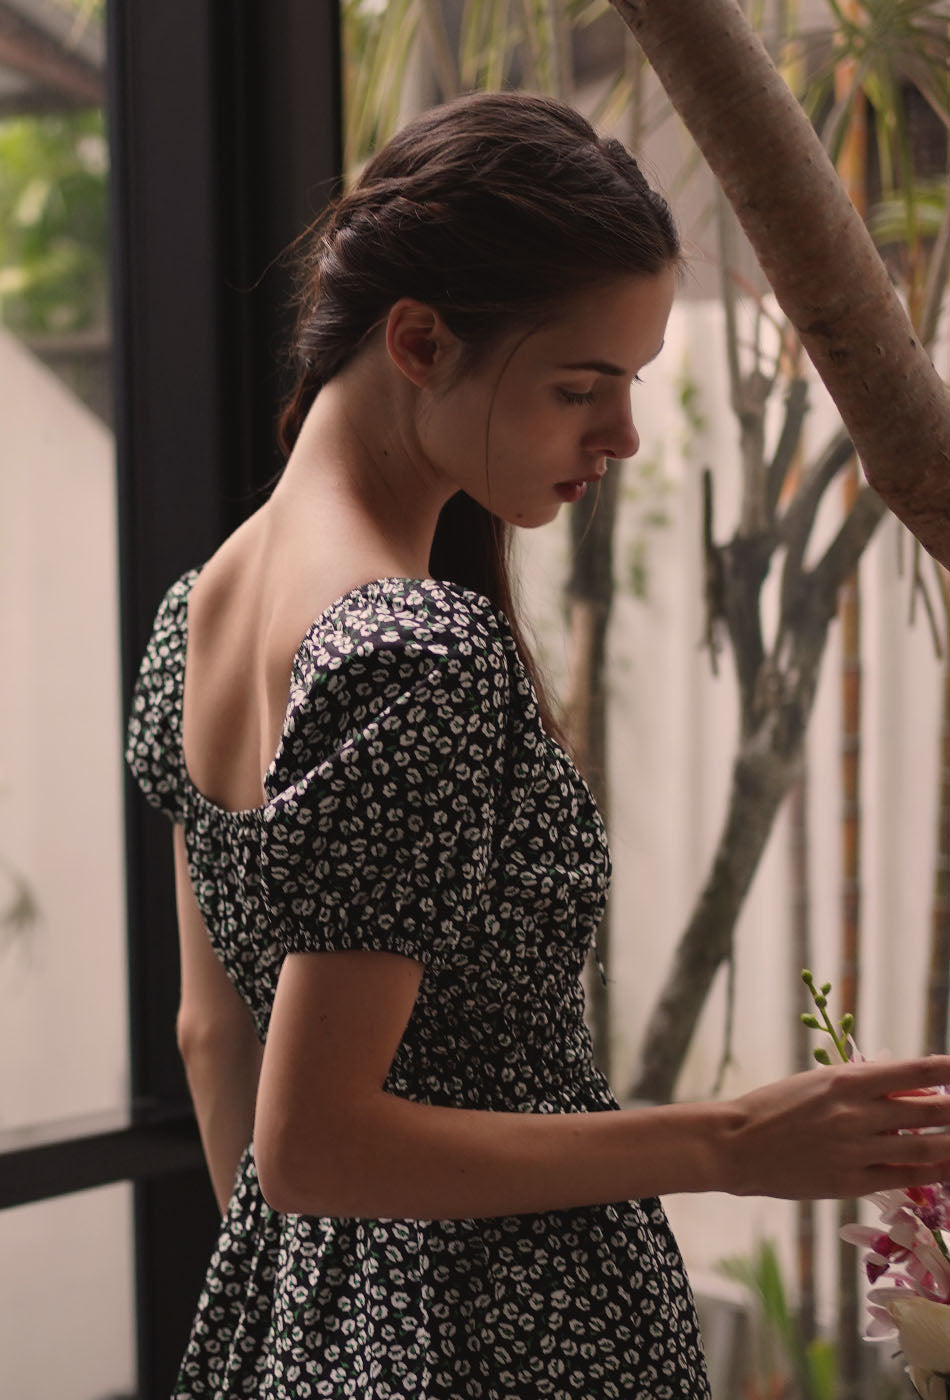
417 805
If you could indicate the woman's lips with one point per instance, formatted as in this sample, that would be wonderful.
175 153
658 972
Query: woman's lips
571 491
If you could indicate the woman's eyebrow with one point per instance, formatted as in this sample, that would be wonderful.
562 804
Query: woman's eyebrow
598 366
606 367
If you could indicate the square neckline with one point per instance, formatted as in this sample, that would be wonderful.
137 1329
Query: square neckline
381 584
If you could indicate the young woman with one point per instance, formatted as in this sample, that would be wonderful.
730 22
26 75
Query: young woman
389 871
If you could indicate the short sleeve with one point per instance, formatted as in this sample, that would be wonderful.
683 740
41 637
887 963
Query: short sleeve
384 840
153 734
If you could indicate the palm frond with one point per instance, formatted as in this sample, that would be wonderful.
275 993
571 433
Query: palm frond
504 36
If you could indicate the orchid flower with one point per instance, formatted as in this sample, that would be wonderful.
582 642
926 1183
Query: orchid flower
907 1260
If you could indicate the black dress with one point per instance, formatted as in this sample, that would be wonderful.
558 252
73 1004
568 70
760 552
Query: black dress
416 805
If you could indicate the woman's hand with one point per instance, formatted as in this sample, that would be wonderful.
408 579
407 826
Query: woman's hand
843 1131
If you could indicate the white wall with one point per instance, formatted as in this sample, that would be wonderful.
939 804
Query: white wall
66 1265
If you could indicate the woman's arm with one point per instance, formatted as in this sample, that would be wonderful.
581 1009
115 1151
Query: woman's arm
217 1041
330 1141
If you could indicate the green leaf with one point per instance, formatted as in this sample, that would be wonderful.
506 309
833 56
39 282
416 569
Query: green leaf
761 1274
53 222
822 1369
637 569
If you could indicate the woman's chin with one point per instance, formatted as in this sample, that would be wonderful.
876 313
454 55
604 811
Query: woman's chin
533 519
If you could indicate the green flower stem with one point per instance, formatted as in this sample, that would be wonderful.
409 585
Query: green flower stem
820 997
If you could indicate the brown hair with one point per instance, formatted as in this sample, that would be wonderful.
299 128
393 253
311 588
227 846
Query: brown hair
492 209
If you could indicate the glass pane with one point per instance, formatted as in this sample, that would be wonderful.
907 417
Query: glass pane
67 1298
62 935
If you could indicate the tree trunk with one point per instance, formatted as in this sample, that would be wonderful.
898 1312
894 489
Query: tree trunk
761 779
824 270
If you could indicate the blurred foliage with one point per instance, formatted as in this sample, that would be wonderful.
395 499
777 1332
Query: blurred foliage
898 55
893 44
782 1364
378 38
892 224
647 492
53 222
477 45
85 10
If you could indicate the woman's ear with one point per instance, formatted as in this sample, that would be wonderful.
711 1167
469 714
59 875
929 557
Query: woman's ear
419 342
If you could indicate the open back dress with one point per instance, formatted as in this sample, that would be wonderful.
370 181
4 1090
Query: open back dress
416 805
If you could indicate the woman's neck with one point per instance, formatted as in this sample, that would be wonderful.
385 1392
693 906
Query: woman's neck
357 468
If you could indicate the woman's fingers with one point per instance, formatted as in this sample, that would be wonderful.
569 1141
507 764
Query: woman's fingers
909 1148
901 1076
886 1177
916 1114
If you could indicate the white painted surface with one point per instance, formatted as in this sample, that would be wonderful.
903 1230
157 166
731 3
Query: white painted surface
65 1265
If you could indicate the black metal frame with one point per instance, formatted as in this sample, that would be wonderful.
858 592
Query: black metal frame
96 1149
225 136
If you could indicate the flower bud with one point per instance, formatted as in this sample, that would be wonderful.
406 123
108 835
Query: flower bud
810 1021
822 1056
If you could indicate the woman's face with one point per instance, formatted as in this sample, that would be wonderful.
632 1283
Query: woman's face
530 428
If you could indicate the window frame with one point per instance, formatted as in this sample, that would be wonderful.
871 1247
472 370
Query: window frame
225 134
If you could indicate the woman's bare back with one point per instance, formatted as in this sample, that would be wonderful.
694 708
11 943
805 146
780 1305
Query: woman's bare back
248 611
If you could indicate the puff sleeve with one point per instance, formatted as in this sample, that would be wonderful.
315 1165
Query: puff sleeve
384 839
153 734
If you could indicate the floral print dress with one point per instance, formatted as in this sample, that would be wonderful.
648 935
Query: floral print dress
416 805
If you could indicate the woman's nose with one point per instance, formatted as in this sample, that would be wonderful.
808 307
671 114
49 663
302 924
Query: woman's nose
618 436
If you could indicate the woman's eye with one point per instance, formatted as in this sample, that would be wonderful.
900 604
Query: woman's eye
569 396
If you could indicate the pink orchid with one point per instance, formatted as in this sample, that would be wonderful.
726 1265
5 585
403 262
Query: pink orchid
907 1260
906 1249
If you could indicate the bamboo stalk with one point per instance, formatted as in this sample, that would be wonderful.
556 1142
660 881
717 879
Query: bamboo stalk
805 1214
938 975
852 168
